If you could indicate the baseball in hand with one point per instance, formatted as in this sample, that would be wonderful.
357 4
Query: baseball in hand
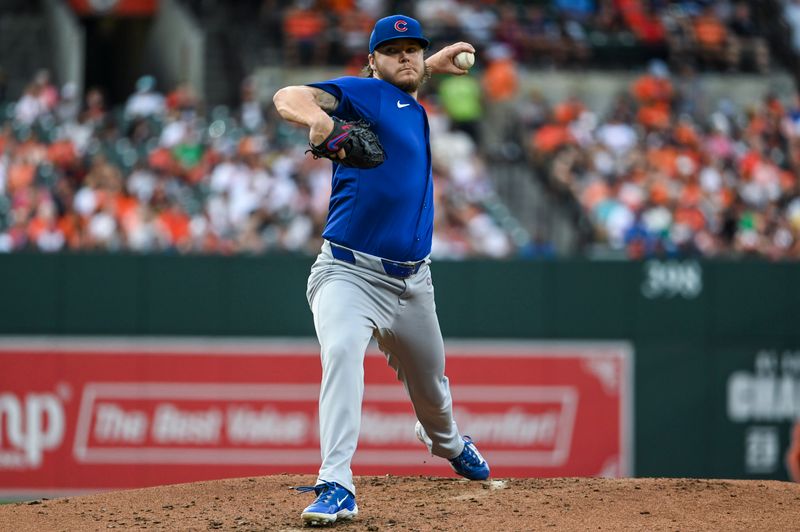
464 60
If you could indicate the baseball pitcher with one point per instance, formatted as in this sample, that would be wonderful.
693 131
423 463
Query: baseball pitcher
372 277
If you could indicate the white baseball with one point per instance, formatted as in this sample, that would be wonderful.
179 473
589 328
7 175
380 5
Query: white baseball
464 60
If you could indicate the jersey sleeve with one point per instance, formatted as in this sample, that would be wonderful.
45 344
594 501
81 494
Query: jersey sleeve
359 98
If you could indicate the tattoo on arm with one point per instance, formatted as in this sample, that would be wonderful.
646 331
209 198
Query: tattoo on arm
326 101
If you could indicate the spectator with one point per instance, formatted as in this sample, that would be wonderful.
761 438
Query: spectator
146 101
95 111
44 231
712 39
654 93
746 40
679 36
617 136
251 114
30 107
500 86
460 96
354 29
48 93
643 21
69 105
304 34
182 99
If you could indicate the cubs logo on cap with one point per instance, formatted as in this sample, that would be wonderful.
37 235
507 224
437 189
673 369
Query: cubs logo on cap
396 27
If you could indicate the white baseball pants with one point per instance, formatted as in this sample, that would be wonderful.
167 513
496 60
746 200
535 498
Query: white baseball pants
352 303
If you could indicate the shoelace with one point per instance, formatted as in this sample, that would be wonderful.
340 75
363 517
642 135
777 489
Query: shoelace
469 456
325 491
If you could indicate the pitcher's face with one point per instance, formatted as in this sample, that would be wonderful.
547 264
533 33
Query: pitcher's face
401 63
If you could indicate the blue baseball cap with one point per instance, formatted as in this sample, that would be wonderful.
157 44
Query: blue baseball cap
396 27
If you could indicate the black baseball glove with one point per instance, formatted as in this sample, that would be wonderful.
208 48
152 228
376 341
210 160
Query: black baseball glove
361 145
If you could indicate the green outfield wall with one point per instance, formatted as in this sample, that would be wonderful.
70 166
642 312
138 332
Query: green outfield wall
717 344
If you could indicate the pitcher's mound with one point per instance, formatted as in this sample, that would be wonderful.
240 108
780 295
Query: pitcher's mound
427 503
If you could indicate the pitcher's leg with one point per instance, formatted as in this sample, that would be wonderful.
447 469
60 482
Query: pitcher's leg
341 318
415 349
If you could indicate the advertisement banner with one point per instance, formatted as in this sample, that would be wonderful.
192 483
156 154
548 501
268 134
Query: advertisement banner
88 415
761 387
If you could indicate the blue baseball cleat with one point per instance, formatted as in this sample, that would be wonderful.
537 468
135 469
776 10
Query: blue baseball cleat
469 464
333 502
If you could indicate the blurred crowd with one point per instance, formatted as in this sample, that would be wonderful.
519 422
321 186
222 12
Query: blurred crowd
665 173
165 174
718 34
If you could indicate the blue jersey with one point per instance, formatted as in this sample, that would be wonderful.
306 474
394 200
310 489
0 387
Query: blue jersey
388 210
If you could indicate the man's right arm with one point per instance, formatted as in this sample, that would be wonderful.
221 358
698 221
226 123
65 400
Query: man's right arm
307 106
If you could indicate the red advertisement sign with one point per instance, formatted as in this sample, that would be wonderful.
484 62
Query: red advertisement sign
109 414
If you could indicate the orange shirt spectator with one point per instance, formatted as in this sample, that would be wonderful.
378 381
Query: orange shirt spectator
20 176
341 7
686 135
550 137
774 107
659 193
691 217
748 164
62 153
568 111
303 24
175 224
709 30
37 226
644 24
757 124
181 97
500 80
726 197
788 181
654 116
125 206
70 227
664 159
650 88
161 159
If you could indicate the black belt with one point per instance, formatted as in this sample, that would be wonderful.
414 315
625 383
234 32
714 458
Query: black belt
400 270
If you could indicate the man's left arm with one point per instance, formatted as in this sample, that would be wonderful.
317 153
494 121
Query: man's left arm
442 61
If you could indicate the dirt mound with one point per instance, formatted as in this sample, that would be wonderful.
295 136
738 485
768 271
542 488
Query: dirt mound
427 503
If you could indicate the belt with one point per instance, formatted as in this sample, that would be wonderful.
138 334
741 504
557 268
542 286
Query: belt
399 270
